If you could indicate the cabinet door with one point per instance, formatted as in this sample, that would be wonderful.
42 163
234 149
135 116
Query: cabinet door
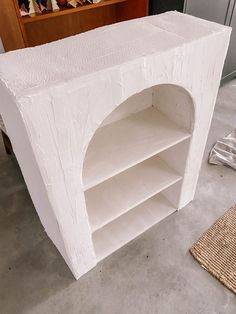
212 10
230 62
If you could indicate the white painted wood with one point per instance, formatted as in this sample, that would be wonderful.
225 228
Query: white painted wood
127 227
120 145
175 103
55 97
136 103
172 194
176 156
114 197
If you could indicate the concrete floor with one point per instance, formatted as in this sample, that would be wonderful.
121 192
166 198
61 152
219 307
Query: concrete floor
154 274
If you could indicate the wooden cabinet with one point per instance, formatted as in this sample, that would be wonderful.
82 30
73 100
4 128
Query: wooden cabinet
19 32
10 26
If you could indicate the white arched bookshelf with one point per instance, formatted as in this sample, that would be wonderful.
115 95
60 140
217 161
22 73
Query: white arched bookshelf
135 158
109 127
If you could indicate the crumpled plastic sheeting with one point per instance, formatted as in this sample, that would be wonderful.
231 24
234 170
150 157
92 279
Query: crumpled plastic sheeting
224 151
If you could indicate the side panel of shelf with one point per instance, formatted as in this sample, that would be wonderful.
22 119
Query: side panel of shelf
176 156
175 103
172 194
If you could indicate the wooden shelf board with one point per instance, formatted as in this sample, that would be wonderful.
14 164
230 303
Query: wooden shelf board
63 11
121 231
116 196
122 144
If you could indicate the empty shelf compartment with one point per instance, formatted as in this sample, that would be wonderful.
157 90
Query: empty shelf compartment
125 228
124 143
112 198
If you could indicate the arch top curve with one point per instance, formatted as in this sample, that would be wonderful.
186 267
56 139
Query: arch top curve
161 96
158 105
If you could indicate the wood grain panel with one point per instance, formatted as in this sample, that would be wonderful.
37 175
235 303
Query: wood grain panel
58 27
10 30
64 11
132 9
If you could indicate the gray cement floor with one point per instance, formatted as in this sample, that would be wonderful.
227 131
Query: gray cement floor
154 274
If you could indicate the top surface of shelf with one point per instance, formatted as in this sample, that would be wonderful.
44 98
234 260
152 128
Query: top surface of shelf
105 48
122 144
64 11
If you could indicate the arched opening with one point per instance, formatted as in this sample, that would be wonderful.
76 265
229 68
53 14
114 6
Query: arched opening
135 164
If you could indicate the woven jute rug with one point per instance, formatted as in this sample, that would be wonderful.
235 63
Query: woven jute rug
216 249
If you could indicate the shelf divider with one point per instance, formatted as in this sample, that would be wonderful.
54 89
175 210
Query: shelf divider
130 225
114 197
63 11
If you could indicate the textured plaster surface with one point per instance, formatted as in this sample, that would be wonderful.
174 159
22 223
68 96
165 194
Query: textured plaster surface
154 274
54 97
